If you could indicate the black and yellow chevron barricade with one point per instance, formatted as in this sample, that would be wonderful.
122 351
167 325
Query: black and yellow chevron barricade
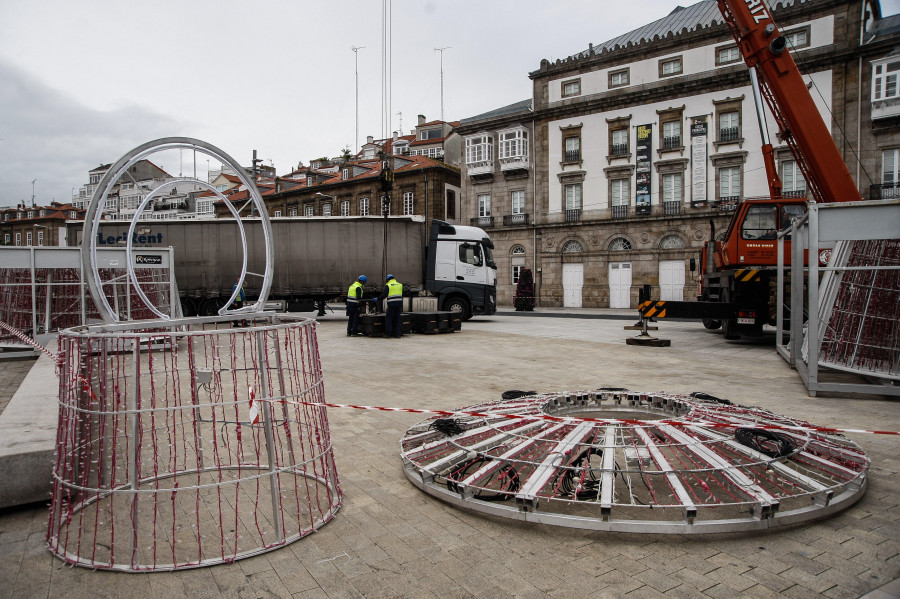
691 310
748 275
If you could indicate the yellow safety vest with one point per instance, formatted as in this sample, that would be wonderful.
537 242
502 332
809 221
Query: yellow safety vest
395 291
351 293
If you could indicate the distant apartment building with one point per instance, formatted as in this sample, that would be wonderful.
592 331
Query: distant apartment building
610 177
37 225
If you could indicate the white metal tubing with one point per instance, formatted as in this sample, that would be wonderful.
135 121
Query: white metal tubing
94 214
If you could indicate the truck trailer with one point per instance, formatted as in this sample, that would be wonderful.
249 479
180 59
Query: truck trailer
316 259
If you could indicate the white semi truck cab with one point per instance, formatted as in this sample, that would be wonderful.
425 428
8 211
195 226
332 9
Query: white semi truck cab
461 270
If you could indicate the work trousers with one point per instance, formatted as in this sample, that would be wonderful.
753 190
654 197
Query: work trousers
352 318
392 325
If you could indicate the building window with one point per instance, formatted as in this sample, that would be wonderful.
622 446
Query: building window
618 145
479 150
620 196
73 214
672 187
729 126
792 181
618 78
727 55
407 202
7 239
573 196
572 149
670 66
796 38
430 134
309 210
292 211
345 208
516 273
277 213
729 182
517 200
619 244
364 207
671 242
18 239
513 144
326 209
450 208
385 206
671 134
572 247
571 88
40 238
28 238
345 174
884 81
484 204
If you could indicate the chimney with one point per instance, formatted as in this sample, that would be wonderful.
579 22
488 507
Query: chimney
370 139
396 136
421 119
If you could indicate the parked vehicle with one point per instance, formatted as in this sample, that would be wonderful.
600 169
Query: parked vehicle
316 259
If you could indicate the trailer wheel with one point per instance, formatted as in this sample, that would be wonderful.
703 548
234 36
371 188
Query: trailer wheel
711 324
458 305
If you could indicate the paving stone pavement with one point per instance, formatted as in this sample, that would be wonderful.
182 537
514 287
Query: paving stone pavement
391 540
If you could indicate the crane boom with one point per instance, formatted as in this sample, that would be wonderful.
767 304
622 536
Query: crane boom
800 126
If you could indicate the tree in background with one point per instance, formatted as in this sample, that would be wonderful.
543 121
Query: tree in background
524 299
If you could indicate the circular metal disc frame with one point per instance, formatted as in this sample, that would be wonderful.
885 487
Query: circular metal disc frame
94 216
617 460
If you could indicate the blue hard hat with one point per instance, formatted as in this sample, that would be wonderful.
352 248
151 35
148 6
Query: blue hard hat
389 277
363 278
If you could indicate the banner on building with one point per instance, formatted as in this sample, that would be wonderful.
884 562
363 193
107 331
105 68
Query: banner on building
643 160
699 134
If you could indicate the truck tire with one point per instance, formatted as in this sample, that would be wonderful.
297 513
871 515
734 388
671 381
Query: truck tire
729 327
458 304
711 324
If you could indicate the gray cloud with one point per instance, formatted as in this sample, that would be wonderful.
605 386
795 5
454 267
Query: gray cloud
48 136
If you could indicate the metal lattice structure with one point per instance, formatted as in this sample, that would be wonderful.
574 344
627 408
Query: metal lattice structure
189 444
186 442
617 460
43 289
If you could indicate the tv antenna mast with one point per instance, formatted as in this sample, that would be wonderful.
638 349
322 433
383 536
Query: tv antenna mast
441 50
356 50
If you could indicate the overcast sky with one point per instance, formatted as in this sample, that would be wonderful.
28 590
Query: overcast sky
82 83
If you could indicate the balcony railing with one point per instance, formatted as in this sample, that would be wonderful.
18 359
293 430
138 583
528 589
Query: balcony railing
512 163
729 203
671 208
729 134
884 191
573 215
482 221
671 142
515 219
573 155
619 149
620 211
479 168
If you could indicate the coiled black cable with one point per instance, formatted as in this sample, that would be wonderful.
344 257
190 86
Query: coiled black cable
707 397
515 394
765 442
447 426
508 471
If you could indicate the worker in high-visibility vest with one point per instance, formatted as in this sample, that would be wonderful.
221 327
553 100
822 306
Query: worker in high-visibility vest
393 291
354 302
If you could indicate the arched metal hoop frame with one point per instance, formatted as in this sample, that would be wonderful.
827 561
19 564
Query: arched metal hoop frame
94 215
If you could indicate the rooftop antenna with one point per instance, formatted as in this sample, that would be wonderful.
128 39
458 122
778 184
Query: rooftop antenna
32 192
441 50
356 50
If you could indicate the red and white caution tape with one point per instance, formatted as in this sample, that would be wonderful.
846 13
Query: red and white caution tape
496 415
25 339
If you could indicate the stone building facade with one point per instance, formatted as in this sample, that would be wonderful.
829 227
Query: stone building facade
640 148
